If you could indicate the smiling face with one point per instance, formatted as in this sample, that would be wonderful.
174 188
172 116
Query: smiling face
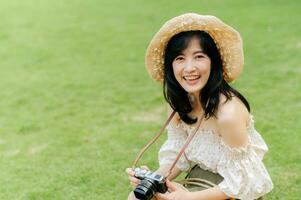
192 67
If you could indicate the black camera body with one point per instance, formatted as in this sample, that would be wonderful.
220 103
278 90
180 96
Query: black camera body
150 184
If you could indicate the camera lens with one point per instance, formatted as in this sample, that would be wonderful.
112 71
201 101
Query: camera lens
145 189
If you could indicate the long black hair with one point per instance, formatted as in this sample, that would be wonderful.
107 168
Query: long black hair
173 92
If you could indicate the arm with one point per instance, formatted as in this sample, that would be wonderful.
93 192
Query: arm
245 176
178 193
213 193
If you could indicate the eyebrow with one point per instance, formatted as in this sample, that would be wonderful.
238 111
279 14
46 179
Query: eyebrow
199 52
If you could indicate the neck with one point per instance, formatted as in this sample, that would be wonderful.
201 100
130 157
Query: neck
195 100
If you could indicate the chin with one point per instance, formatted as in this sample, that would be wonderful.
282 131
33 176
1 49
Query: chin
193 89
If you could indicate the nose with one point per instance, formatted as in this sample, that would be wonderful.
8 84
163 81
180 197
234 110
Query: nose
189 66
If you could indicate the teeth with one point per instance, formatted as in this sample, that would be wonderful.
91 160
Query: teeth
192 77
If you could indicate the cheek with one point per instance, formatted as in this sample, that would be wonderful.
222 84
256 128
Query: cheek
176 71
206 68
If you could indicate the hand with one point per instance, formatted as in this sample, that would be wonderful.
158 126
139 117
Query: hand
133 180
175 193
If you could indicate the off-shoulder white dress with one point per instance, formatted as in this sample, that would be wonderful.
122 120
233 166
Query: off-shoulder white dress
245 176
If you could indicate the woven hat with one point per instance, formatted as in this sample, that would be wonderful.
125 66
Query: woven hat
227 40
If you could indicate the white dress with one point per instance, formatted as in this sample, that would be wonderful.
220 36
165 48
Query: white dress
245 176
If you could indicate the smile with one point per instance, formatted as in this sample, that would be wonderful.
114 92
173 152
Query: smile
191 77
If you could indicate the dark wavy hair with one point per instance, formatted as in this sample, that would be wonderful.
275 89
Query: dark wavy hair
173 92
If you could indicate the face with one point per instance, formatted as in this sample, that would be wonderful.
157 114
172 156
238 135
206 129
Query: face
192 67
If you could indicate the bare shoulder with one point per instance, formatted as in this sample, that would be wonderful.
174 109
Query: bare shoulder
232 109
232 119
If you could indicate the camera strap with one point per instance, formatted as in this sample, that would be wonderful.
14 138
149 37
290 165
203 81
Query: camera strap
153 140
188 140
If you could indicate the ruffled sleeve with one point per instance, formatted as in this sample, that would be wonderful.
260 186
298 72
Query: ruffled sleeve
170 149
245 176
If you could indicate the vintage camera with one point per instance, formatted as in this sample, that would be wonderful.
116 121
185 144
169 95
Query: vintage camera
150 184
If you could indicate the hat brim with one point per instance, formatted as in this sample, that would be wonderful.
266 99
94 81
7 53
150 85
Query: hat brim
226 38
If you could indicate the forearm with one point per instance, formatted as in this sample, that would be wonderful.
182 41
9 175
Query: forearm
213 193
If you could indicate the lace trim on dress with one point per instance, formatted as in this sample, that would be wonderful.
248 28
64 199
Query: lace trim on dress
250 128
208 139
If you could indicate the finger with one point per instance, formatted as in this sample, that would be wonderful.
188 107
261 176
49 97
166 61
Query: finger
134 180
129 171
171 186
162 196
134 185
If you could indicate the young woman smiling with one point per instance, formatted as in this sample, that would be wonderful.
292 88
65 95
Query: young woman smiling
195 57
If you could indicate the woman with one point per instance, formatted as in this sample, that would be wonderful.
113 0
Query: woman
195 57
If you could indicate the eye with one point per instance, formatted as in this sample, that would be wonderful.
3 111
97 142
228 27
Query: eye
199 56
179 58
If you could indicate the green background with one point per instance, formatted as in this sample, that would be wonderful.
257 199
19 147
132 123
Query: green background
77 104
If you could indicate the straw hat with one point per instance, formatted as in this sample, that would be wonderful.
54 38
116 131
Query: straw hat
227 40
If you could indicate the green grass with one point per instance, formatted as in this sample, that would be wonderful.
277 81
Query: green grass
77 104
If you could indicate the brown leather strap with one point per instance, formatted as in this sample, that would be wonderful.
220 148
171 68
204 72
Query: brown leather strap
188 140
153 140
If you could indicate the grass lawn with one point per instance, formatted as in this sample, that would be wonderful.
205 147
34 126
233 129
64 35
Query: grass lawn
77 104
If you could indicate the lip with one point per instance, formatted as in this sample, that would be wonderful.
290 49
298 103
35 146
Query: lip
191 79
